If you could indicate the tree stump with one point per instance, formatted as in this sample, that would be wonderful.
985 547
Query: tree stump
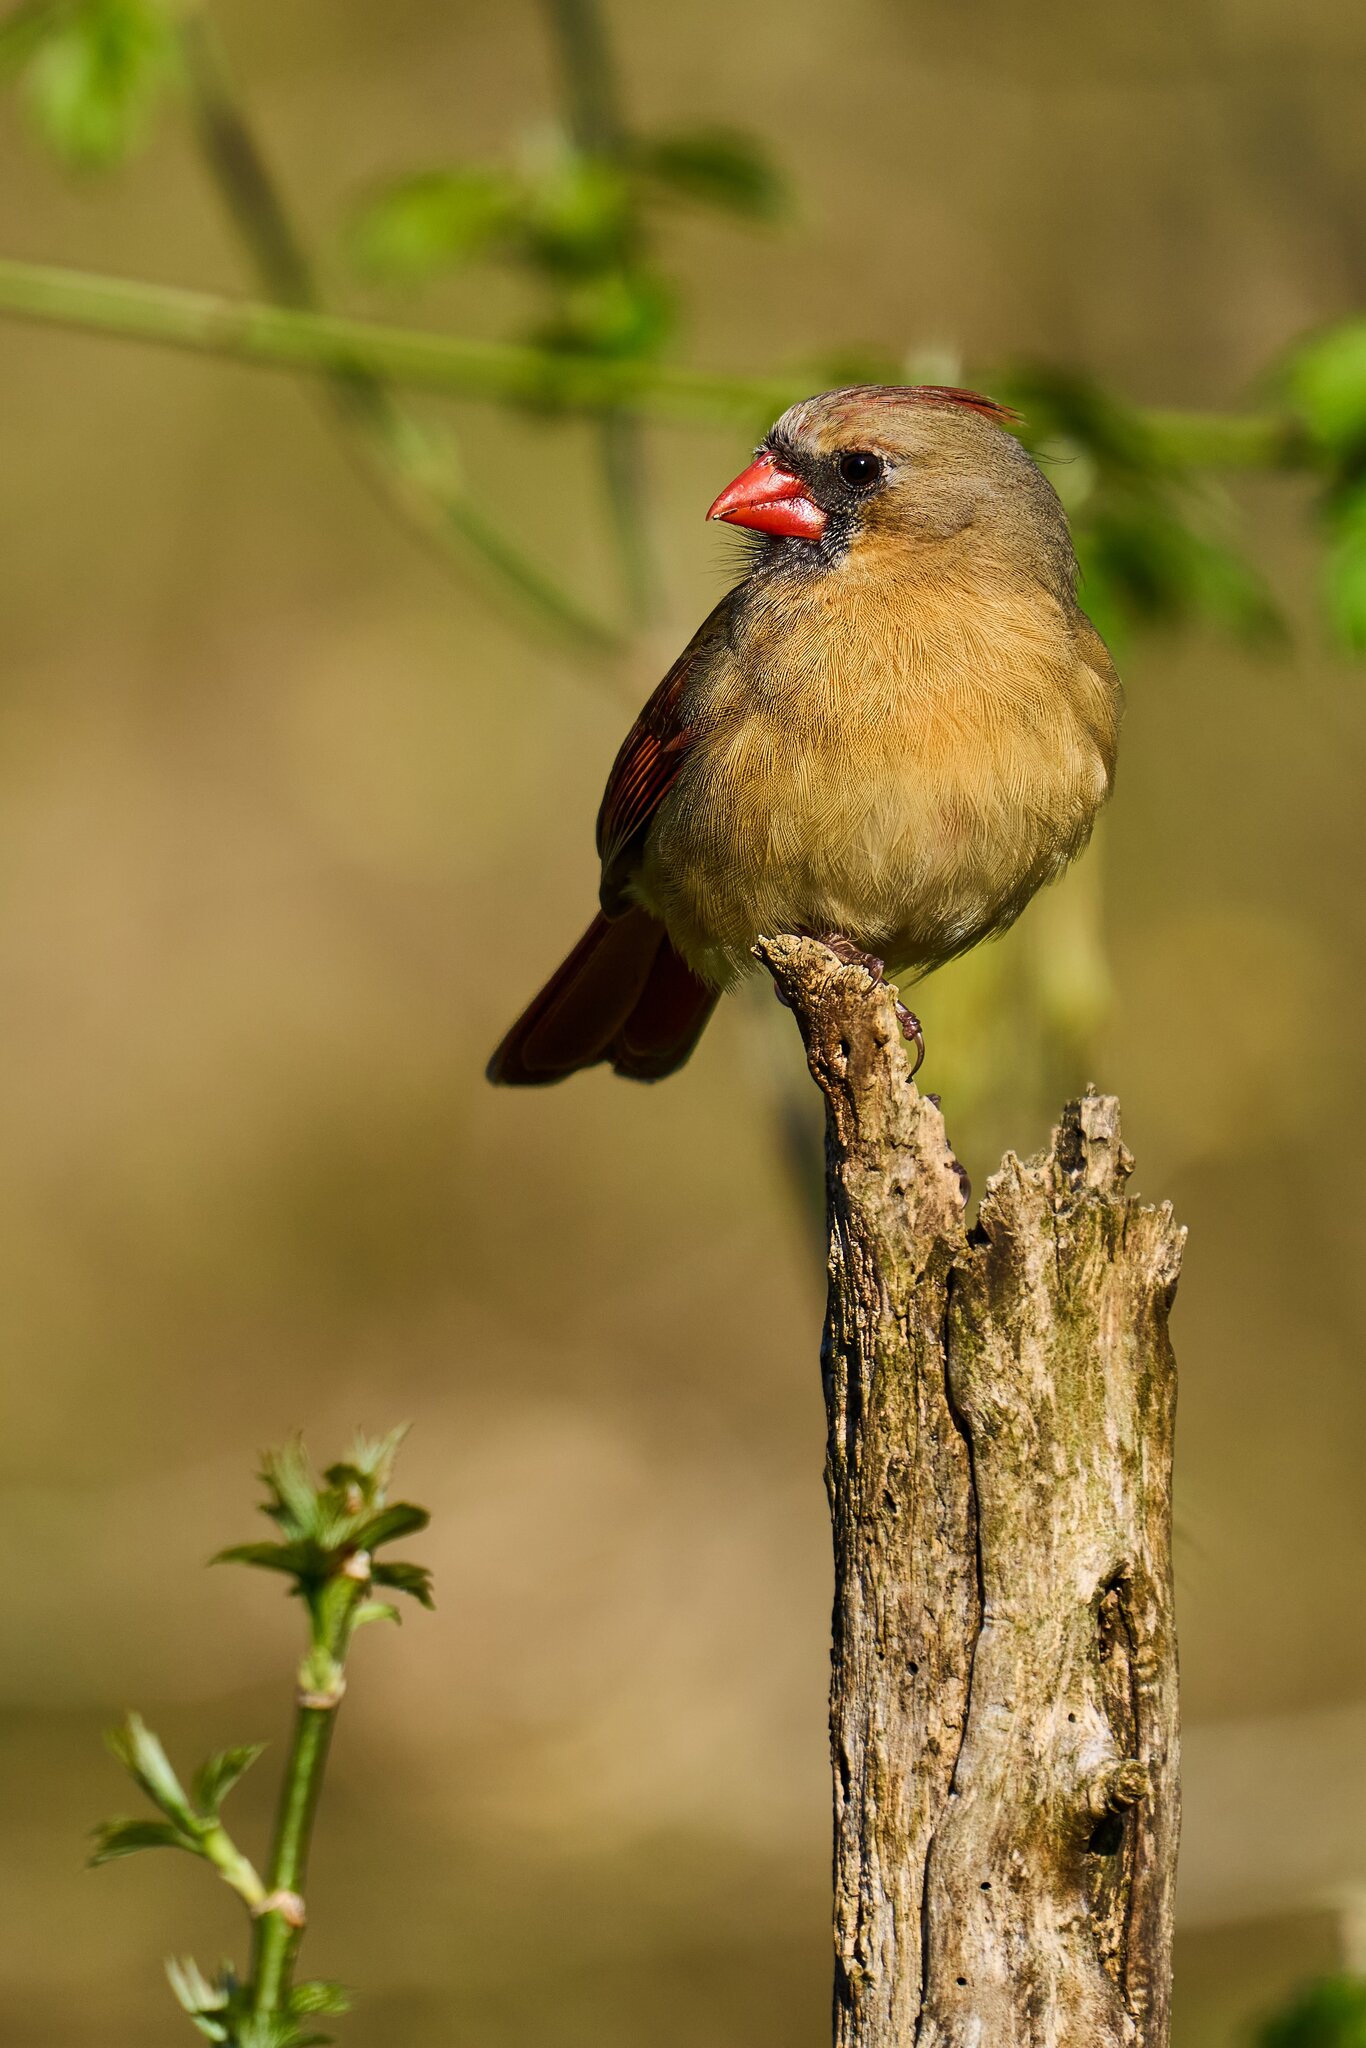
1003 1700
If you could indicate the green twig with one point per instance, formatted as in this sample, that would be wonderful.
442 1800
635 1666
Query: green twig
590 81
415 468
1253 440
595 122
247 331
622 450
279 1921
239 170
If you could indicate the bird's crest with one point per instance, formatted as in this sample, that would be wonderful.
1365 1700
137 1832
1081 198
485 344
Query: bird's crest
932 394
953 394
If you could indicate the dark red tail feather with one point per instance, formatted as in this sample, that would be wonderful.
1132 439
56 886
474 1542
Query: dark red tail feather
623 995
666 1023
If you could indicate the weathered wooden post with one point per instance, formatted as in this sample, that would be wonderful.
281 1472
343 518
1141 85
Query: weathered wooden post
1003 1704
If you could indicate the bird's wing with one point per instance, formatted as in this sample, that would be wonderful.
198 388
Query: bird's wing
651 756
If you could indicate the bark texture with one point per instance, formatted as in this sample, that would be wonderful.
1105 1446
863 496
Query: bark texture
1003 1705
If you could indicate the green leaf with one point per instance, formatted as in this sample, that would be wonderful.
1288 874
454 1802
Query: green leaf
193 1991
293 1488
210 2028
576 216
413 1579
1325 381
719 167
143 1757
429 222
1328 2014
94 83
302 1560
619 313
375 1610
402 1519
316 1996
215 1779
115 1838
372 1458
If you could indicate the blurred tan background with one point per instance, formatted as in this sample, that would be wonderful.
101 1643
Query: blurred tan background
290 823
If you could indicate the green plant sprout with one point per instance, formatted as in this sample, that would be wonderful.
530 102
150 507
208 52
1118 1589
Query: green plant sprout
330 1530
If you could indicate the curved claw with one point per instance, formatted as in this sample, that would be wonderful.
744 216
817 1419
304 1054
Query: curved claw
912 1032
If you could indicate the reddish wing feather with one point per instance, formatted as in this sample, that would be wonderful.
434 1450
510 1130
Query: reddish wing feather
651 755
650 758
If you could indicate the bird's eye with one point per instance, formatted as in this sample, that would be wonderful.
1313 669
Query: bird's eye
859 469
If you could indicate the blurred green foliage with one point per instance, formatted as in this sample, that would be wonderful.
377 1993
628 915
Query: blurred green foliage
1325 383
582 227
1328 2014
1152 533
577 226
94 74
717 167
1345 574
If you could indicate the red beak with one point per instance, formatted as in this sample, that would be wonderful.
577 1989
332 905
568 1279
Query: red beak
771 500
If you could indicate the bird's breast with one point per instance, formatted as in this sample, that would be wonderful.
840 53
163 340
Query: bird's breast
907 779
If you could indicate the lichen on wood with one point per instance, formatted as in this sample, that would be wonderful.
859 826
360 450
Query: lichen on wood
1003 1707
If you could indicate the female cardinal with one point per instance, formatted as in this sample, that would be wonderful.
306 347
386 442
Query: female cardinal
888 736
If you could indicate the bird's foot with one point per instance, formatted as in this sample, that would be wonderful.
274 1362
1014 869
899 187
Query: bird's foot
855 956
912 1033
852 955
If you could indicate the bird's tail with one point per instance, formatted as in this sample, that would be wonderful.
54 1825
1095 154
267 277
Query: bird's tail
623 995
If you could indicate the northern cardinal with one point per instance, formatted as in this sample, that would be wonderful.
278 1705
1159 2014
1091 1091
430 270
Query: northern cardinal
889 735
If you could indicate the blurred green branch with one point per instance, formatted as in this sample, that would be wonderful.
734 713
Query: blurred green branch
414 466
276 337
596 126
1228 440
1329 2013
329 1532
573 219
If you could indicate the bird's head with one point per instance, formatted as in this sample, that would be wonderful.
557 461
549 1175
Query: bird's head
880 477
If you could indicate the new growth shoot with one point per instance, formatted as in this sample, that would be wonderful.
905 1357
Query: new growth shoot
330 1529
